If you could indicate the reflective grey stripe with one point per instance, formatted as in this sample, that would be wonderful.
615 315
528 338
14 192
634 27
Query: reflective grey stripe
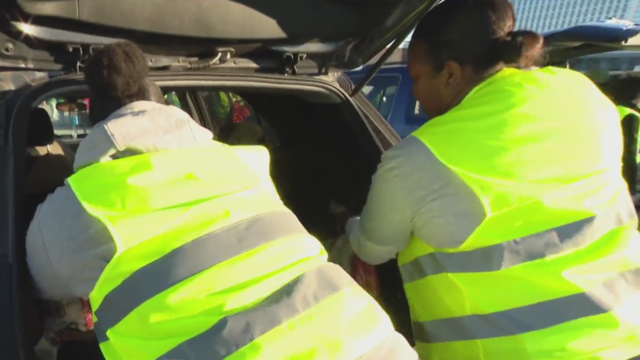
190 259
238 330
612 294
515 252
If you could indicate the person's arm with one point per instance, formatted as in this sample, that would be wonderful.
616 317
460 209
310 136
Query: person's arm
414 194
67 248
45 270
384 227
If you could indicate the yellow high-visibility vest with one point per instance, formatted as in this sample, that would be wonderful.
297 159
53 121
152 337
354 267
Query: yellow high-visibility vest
211 265
553 270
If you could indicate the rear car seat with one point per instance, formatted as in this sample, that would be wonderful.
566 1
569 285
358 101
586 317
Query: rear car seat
244 133
49 161
48 165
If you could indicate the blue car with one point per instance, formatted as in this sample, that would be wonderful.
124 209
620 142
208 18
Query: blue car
390 89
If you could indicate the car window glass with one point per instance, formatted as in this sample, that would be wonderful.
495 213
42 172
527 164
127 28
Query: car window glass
68 124
415 115
227 108
381 92
180 99
171 98
233 119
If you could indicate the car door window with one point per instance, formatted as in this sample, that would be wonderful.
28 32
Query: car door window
180 99
71 125
171 98
233 120
226 108
381 92
68 124
415 115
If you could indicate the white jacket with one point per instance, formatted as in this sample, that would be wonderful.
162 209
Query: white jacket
67 249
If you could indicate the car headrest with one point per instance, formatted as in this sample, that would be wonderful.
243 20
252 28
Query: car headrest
40 129
244 133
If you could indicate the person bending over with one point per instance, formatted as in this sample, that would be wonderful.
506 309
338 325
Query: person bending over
183 247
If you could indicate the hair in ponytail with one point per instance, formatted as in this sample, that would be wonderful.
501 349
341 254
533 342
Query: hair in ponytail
521 49
478 33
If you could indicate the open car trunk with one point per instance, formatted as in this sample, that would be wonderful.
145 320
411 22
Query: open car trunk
321 151
319 159
314 34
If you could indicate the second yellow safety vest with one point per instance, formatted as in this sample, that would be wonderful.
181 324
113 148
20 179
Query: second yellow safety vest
553 271
211 265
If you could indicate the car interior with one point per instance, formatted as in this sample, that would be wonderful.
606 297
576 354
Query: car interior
321 151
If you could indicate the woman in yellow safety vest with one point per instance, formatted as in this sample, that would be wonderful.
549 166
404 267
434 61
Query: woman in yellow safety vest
512 224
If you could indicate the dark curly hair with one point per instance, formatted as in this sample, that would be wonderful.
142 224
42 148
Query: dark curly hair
116 75
623 89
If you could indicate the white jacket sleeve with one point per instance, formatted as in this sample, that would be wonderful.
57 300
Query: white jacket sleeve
414 194
384 227
67 249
